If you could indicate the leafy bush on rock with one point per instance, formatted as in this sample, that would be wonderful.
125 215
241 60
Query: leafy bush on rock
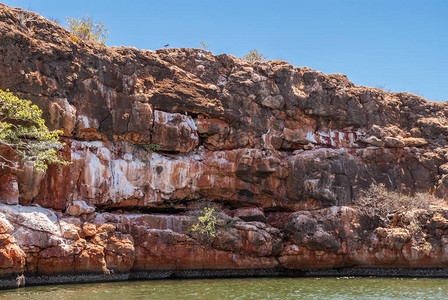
206 224
23 131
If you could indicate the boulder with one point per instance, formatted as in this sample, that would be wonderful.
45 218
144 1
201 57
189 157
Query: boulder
79 207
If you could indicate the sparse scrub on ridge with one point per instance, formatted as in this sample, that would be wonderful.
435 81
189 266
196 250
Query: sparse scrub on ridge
204 45
254 56
383 88
86 29
54 20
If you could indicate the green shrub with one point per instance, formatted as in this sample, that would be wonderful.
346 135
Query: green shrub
207 223
254 56
86 29
23 131
152 147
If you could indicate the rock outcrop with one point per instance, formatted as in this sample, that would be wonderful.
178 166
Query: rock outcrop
280 151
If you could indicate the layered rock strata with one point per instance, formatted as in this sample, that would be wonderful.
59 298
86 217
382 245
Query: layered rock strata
280 151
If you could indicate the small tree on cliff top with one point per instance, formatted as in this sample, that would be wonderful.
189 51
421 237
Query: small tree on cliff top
23 131
86 29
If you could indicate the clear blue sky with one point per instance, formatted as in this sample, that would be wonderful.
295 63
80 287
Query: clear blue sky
401 45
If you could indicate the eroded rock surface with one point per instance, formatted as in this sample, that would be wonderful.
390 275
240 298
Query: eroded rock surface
280 150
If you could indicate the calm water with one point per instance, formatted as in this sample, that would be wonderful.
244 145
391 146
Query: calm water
259 288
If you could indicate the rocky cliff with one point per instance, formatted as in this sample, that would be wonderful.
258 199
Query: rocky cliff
281 152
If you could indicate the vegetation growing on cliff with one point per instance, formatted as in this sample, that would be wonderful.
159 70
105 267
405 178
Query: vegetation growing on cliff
204 45
23 131
207 223
211 221
86 29
378 201
399 210
152 147
254 56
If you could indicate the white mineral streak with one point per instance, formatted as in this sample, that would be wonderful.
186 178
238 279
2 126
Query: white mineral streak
310 137
126 179
106 178
152 178
333 138
83 121
94 173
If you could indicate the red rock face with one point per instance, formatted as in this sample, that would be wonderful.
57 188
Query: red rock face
9 190
280 151
12 257
174 132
